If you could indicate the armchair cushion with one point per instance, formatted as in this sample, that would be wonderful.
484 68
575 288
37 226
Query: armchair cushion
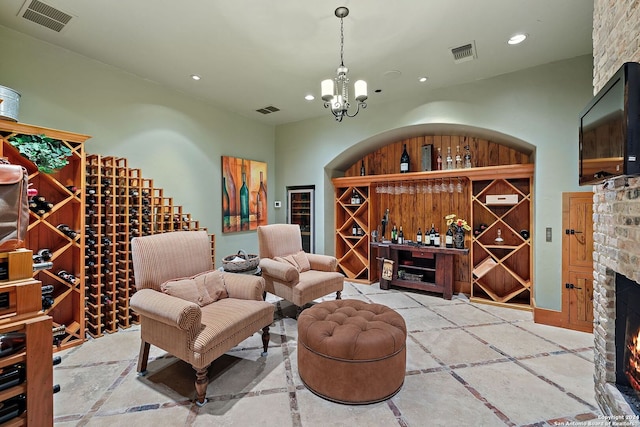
282 271
298 260
202 289
303 262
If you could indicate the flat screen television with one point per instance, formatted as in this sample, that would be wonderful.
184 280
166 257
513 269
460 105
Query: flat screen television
610 129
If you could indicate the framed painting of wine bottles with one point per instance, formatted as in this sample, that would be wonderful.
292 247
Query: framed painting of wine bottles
244 194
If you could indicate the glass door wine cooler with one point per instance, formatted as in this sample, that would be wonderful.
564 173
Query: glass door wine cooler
300 211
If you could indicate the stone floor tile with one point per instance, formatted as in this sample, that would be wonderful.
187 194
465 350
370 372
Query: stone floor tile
512 340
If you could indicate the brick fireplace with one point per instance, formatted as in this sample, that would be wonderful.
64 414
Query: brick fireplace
616 205
616 253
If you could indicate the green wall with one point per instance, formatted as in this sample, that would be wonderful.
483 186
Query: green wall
177 141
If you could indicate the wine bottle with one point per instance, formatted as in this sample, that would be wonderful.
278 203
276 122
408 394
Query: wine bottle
437 239
419 236
67 277
400 237
362 171
404 160
12 407
449 159
11 376
449 238
458 158
12 342
244 201
262 202
64 228
354 229
432 235
394 234
467 157
45 254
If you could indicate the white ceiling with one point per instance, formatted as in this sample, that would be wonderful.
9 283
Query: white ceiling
256 53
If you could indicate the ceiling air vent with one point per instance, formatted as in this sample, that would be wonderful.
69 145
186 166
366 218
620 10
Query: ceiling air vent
45 15
268 110
464 53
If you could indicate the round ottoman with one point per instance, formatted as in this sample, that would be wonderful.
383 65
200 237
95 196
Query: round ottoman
350 351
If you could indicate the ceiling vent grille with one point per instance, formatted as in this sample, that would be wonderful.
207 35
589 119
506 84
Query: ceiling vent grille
268 110
45 15
464 53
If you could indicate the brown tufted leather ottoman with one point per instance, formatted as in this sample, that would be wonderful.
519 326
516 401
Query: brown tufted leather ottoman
350 351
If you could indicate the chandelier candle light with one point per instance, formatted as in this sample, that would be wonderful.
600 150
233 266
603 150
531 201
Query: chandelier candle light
335 92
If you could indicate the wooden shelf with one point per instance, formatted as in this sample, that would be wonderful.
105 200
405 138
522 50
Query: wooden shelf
123 205
502 272
65 190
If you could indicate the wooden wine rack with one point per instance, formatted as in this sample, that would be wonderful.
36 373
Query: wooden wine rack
121 205
65 190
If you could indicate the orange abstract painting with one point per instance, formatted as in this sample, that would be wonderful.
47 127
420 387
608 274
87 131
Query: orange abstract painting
244 194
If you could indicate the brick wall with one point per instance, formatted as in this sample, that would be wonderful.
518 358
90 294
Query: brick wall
616 208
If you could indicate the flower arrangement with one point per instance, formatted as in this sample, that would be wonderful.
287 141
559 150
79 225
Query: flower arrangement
457 223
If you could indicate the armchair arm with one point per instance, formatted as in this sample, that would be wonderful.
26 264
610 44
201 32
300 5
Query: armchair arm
279 270
244 286
164 308
321 262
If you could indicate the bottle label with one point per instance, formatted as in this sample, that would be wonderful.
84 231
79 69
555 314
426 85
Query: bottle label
437 241
404 167
449 240
419 238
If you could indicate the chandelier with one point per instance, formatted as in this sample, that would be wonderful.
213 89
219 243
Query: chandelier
335 92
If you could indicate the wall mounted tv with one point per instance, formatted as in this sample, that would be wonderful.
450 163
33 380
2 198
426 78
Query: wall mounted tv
610 129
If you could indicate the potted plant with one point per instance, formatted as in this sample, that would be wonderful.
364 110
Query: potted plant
48 154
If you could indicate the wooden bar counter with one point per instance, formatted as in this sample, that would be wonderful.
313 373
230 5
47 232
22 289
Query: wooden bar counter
425 268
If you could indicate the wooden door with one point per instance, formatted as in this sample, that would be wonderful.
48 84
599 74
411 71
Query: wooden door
577 260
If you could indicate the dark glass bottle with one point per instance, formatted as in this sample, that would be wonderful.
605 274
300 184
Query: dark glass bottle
432 235
362 171
11 376
404 160
12 342
12 407
244 202
401 236
449 238
419 236
394 234
437 240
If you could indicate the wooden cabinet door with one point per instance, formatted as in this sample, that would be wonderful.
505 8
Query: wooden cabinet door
580 299
577 260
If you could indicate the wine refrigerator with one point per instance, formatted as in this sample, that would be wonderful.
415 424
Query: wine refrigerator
300 210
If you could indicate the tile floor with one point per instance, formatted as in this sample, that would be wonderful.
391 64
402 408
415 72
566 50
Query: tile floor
467 365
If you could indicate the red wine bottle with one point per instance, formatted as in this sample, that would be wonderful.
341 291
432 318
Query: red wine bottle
11 376
12 342
12 407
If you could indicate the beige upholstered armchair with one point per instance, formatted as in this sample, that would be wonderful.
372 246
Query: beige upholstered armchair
189 310
292 274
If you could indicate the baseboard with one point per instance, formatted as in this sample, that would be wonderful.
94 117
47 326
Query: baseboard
549 317
556 318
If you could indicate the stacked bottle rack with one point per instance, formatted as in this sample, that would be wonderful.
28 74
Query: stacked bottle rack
121 205
55 227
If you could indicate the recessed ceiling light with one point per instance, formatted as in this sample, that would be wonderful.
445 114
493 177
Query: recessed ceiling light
423 79
517 39
195 77
309 97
